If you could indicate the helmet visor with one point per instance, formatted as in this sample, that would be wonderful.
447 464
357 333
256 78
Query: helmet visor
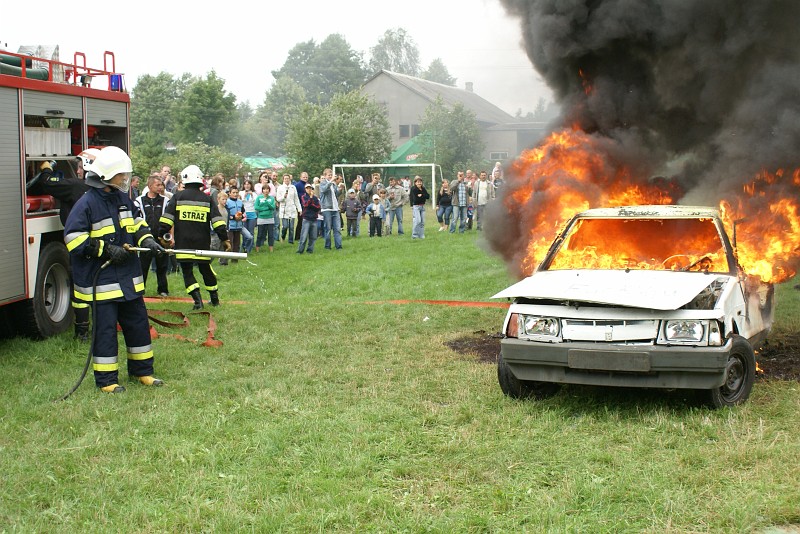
121 181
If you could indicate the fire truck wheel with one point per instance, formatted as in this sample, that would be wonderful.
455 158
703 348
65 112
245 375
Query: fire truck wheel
740 374
522 389
49 312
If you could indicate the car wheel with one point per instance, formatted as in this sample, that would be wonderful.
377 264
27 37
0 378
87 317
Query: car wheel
522 389
740 374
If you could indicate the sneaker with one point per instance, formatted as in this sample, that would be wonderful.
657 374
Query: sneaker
113 388
163 294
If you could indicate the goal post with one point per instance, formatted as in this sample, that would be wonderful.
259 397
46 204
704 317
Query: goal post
430 168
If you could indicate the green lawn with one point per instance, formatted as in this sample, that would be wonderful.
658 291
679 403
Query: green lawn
325 411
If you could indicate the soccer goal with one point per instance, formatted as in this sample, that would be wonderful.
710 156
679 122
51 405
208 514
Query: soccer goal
426 169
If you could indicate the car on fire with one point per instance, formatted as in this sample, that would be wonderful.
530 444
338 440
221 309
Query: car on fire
637 296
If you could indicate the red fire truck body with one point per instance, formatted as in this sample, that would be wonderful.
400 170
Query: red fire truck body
49 111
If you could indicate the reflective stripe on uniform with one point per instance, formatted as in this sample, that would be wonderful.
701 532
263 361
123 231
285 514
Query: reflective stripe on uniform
193 213
75 239
105 292
138 284
102 227
140 353
192 287
107 363
191 257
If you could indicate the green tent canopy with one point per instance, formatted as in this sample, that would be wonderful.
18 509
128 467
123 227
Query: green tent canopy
408 152
264 162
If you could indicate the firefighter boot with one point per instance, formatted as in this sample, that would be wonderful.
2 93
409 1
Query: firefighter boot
198 300
82 332
82 324
214 298
113 388
150 381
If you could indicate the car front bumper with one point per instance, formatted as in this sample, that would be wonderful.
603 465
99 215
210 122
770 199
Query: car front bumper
649 366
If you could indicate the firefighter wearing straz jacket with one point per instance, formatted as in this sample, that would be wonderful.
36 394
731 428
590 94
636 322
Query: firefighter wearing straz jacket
188 217
102 222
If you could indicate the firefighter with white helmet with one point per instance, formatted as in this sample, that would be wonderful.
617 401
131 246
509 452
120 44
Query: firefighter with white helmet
100 225
188 216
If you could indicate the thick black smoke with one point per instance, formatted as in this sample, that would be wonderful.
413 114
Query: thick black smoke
705 92
712 86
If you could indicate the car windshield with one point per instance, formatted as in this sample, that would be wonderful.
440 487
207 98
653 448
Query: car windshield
642 244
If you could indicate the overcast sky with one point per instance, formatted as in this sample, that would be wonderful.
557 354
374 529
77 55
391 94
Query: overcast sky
244 41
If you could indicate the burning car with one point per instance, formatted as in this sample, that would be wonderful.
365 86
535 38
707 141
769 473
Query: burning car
637 296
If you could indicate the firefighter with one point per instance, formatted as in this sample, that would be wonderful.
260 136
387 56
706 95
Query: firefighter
189 217
67 190
102 222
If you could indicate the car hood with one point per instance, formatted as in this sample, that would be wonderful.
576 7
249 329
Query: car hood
658 290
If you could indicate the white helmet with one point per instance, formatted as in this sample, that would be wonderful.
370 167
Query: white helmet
87 158
110 162
192 175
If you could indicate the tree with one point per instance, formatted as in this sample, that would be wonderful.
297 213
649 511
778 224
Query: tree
450 137
153 101
351 128
437 72
396 51
282 103
322 71
206 112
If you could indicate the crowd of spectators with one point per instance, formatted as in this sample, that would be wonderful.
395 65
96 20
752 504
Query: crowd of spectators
279 208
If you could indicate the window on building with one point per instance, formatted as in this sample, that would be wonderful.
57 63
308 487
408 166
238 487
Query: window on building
414 130
498 156
404 129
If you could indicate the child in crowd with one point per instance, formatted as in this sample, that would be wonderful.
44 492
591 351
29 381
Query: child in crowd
352 209
377 214
235 218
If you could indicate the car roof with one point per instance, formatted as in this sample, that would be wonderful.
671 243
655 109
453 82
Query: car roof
652 211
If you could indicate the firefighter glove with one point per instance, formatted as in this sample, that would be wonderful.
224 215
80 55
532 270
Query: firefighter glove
227 245
47 165
164 242
115 254
154 247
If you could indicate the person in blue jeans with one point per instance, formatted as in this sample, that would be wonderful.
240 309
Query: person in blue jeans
459 193
311 208
330 210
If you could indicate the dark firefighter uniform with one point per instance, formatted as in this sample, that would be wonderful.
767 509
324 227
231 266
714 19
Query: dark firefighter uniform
188 216
67 191
98 219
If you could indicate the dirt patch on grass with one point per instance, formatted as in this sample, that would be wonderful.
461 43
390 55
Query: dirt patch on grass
779 359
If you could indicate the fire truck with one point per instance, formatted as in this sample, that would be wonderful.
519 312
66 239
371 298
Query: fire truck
49 111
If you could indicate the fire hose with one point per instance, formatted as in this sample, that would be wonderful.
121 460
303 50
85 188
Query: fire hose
201 253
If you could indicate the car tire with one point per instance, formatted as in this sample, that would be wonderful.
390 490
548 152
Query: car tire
522 389
740 374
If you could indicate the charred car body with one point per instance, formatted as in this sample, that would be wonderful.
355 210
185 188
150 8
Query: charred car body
641 296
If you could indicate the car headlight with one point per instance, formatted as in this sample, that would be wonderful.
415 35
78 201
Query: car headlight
685 331
540 328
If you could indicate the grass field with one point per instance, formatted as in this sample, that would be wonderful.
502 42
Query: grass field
325 411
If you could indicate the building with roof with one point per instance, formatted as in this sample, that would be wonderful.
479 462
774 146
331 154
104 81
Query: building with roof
405 99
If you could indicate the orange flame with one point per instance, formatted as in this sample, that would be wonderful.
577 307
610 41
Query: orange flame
766 216
572 171
568 173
